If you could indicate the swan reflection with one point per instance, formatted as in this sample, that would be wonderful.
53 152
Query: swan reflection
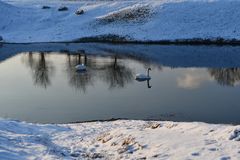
114 70
140 77
114 73
78 80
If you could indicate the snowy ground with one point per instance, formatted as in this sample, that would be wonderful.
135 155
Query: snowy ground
141 20
122 139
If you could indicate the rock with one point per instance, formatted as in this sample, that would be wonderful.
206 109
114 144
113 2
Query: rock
74 154
1 38
46 7
63 8
79 12
235 135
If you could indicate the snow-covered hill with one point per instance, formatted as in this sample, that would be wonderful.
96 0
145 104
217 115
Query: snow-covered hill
136 20
122 139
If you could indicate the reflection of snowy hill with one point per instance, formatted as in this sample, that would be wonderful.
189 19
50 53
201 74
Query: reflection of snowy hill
166 55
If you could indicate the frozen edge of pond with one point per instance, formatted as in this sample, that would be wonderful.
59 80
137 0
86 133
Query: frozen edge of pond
123 139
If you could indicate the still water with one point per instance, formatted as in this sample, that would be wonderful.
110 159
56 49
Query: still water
44 87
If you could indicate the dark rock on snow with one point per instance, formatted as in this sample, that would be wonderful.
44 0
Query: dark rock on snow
63 8
46 7
79 12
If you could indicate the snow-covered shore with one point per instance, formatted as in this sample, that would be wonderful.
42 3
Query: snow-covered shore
135 20
121 139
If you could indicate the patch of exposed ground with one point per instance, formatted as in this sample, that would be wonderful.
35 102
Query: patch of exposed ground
105 38
134 14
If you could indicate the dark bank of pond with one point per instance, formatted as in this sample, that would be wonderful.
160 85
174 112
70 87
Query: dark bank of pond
39 82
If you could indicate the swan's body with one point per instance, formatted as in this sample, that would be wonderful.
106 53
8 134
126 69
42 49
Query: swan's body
81 67
143 77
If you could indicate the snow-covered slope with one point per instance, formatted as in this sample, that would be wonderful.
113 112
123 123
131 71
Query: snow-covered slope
141 20
120 139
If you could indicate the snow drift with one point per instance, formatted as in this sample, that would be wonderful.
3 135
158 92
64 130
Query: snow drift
138 20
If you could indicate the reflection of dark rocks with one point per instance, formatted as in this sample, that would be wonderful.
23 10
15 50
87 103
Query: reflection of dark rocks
226 76
63 8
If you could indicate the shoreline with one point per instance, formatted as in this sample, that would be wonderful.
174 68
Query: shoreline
189 42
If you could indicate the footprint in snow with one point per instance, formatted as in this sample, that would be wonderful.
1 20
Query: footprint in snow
210 141
161 156
212 149
225 158
195 154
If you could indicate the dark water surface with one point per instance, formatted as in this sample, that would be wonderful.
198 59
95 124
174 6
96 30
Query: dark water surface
38 83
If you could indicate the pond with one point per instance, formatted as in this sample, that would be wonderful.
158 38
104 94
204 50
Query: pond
39 82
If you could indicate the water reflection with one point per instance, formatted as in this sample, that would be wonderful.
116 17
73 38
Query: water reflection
42 70
226 76
108 89
114 71
116 74
148 84
78 80
193 78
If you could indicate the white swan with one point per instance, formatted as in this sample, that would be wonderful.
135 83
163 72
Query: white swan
143 77
81 67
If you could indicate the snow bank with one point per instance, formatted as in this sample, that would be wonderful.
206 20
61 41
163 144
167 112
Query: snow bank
137 20
122 139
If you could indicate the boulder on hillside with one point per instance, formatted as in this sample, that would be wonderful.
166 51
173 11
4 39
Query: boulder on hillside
79 12
63 8
46 7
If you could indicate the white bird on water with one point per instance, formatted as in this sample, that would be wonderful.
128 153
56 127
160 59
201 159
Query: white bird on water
81 67
143 77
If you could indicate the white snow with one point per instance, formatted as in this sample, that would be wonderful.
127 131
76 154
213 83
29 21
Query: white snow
121 139
143 20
